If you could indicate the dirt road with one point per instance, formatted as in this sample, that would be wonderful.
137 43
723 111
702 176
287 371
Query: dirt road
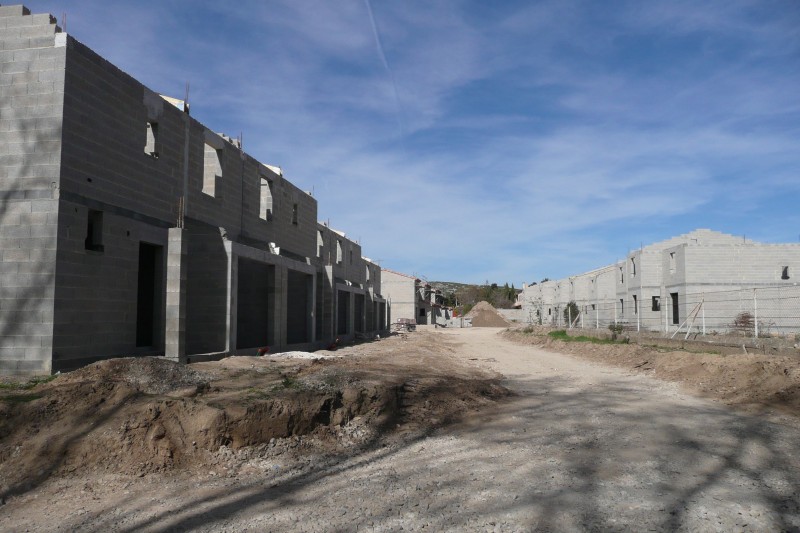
580 447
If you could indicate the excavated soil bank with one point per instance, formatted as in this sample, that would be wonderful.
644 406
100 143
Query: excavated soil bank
752 382
137 416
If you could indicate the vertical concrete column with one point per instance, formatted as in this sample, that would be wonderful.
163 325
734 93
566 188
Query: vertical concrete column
177 264
232 320
281 299
351 323
312 307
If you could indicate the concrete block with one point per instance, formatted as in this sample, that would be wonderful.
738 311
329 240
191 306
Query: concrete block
14 11
23 76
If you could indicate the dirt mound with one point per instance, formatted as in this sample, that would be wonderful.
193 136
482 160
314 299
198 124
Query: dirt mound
484 315
149 375
136 416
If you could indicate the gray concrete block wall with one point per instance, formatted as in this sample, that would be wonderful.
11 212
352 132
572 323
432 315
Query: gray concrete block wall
748 264
399 291
31 96
96 291
299 307
105 134
207 290
300 239
74 138
325 312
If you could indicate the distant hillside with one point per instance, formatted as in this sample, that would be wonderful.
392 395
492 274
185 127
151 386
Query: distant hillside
449 286
466 295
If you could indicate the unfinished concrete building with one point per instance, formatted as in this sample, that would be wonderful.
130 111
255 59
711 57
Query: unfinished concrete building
705 276
127 227
413 298
403 294
349 299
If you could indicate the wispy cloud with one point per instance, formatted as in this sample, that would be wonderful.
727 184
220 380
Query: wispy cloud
536 139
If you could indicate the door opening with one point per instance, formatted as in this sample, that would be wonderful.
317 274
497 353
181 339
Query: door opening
147 295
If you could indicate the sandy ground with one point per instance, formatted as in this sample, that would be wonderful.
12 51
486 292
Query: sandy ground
580 447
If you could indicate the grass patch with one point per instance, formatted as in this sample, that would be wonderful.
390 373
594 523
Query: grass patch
288 382
27 385
561 335
19 398
664 349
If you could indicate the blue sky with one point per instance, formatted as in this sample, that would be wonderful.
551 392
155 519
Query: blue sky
468 141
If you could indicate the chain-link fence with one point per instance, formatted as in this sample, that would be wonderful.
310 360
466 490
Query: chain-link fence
754 312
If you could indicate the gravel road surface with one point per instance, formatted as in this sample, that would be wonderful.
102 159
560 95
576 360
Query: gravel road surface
580 448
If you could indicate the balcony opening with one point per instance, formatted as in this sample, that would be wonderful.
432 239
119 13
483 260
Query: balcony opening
265 201
212 170
151 144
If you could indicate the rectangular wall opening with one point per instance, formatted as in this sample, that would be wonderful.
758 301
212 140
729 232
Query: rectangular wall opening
676 316
151 143
342 312
148 298
265 200
298 307
94 231
255 300
656 303
212 170
359 313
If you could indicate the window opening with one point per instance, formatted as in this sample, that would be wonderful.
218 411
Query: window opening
675 313
633 267
656 303
672 262
151 145
212 170
785 272
621 306
294 214
265 203
94 231
635 305
338 252
621 275
320 243
422 312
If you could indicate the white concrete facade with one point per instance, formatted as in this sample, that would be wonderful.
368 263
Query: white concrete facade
659 286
